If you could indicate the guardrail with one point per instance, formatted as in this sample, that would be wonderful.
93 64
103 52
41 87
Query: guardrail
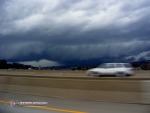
127 90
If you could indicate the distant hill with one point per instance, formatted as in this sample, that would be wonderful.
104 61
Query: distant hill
145 64
8 65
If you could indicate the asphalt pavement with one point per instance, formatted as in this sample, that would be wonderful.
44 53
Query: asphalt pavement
60 105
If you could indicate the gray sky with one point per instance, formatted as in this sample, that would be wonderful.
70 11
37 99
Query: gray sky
54 32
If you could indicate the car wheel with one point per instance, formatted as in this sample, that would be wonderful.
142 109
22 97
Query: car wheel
94 74
120 74
89 74
99 75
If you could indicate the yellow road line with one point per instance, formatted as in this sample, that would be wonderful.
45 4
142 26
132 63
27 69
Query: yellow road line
2 101
56 109
46 108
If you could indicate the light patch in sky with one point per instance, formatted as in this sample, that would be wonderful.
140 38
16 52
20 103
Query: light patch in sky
41 63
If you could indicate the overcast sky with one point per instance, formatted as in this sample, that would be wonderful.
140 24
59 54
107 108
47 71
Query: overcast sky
57 32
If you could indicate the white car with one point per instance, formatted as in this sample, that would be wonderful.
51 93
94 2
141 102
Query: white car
118 69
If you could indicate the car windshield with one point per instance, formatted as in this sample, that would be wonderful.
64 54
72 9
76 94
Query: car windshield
102 66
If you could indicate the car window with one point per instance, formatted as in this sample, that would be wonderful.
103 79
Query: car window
102 66
119 65
110 66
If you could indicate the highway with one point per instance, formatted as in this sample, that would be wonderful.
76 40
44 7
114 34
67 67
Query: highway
138 73
60 105
74 89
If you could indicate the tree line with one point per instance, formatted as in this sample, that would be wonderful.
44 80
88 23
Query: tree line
7 65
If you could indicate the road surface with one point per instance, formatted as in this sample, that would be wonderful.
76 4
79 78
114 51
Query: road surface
59 105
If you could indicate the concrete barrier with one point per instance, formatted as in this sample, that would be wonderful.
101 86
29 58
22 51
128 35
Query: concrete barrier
127 90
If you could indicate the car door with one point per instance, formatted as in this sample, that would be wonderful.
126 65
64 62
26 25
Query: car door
110 69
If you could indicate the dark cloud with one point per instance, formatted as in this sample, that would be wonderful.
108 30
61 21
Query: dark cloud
68 31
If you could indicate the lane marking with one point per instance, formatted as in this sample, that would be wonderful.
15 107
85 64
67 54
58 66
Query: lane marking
46 108
2 101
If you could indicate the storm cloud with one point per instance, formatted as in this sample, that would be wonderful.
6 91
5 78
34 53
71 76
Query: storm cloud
63 31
